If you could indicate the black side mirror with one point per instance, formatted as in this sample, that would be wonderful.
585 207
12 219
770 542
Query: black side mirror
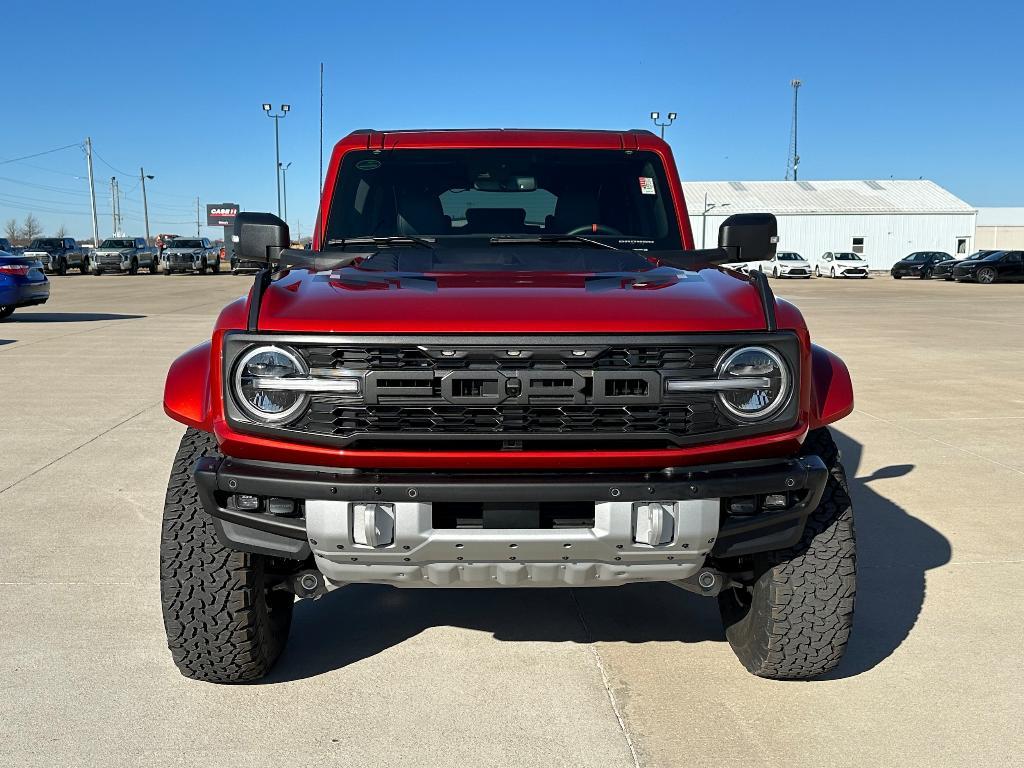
259 236
749 236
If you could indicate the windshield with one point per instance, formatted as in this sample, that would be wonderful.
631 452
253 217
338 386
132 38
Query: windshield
790 257
179 243
978 255
993 256
117 244
46 243
847 257
467 196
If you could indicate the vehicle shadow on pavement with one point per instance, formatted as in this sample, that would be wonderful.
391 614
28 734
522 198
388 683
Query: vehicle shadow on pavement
68 317
895 550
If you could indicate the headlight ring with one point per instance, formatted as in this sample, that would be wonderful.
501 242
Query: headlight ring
269 405
756 403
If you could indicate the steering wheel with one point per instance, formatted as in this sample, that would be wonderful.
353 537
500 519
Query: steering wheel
594 229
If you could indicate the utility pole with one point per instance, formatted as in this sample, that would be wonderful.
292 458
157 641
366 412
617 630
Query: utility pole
197 217
145 204
793 162
113 205
284 187
92 193
285 108
320 188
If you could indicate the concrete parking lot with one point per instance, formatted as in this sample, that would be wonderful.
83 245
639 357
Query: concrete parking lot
637 675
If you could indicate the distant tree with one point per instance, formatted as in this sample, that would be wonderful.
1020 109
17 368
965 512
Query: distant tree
12 232
61 231
31 228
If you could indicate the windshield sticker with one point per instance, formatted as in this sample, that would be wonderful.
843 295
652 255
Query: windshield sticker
368 165
647 186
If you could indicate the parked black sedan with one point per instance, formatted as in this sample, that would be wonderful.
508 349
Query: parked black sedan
997 266
919 264
944 269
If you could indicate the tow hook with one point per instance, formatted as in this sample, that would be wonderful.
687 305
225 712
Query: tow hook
707 582
308 584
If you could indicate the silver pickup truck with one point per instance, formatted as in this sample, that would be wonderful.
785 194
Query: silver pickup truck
58 254
124 254
191 254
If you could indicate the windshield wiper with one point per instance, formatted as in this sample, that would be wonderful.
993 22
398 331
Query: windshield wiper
551 240
382 241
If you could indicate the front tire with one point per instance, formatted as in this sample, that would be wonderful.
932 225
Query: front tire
832 274
6 310
986 276
133 268
224 624
793 621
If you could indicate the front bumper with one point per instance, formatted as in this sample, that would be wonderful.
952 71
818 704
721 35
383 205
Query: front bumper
417 548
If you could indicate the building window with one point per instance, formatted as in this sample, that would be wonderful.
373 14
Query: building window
858 246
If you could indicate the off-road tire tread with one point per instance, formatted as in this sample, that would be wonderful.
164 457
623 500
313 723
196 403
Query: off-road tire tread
219 628
801 609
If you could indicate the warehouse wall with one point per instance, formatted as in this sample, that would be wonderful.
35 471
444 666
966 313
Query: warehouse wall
888 237
1003 238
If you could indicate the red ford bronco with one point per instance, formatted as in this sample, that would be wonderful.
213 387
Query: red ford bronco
503 364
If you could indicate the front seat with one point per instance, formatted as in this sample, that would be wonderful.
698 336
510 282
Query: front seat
420 213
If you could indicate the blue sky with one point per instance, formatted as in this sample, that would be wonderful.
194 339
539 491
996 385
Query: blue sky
901 89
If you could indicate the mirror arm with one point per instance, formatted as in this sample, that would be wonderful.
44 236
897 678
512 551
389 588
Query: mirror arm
764 292
259 288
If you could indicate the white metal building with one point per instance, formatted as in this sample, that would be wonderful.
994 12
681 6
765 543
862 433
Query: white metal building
1001 228
882 220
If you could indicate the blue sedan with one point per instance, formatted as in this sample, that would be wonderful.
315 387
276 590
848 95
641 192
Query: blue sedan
22 283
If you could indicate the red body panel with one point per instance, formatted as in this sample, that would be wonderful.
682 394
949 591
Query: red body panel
831 388
355 302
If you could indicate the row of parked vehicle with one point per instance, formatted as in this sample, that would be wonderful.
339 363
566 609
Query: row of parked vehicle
983 266
129 255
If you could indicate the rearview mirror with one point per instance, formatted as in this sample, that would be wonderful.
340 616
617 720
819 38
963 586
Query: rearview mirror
259 236
749 236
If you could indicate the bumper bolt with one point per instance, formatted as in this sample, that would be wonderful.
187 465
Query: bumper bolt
413 493
334 491
232 484
615 492
790 482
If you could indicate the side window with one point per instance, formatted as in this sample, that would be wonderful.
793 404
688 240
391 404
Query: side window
1014 257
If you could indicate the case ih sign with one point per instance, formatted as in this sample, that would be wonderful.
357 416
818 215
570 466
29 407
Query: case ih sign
221 214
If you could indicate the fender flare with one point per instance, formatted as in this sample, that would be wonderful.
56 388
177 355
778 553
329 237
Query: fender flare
831 388
187 388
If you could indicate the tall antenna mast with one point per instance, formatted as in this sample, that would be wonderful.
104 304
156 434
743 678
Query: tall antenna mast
793 161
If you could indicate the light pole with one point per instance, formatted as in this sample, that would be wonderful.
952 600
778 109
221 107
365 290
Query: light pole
145 203
671 119
285 108
704 218
284 187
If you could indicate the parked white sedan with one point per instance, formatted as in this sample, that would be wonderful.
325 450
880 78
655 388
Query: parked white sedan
841 264
786 264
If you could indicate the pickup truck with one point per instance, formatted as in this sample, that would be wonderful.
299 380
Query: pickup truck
124 254
58 255
503 364
196 254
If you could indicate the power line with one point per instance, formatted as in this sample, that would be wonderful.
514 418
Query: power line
100 157
39 154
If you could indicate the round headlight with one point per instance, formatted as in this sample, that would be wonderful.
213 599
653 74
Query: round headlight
768 381
258 383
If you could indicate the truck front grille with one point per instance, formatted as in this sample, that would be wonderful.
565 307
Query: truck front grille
509 393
